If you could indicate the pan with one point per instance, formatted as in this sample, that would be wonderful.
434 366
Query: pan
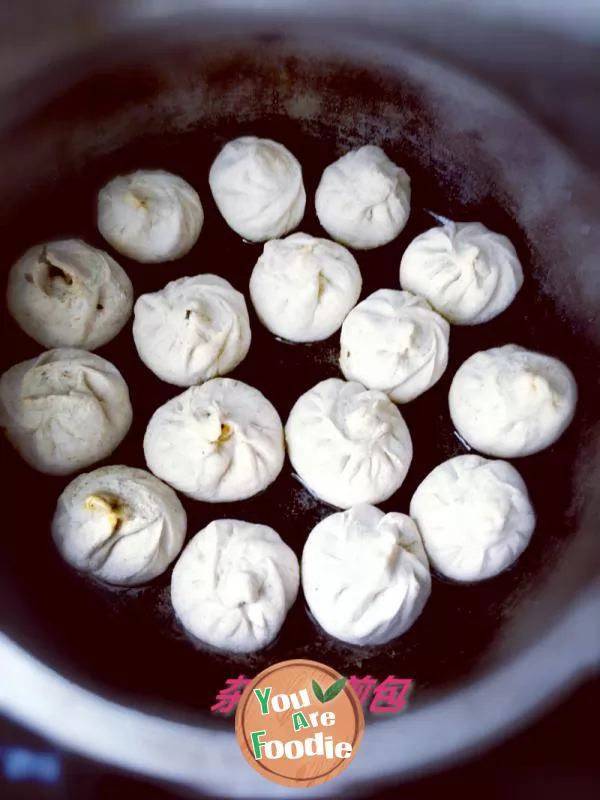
157 99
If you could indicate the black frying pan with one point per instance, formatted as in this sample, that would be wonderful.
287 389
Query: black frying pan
166 103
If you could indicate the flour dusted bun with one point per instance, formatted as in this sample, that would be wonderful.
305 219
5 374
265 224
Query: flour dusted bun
150 215
257 186
395 342
119 525
219 442
192 330
302 287
363 199
510 402
64 410
68 294
365 575
348 445
468 273
474 515
234 584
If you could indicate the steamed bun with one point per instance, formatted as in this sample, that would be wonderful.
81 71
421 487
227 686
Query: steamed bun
257 186
467 272
69 294
363 199
64 410
348 445
192 330
511 402
219 442
302 287
234 584
365 575
395 342
474 515
150 215
119 525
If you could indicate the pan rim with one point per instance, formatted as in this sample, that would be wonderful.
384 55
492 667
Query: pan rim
469 720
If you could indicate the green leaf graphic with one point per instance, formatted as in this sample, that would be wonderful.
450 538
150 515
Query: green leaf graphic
334 689
318 692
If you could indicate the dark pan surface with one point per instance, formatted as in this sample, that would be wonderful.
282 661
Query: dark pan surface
126 644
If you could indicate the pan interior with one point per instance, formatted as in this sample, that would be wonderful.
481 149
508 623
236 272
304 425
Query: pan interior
470 158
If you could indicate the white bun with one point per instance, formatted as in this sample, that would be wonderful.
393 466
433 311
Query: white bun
219 442
349 445
365 575
150 215
234 584
510 402
363 199
395 342
192 330
64 410
119 525
257 186
69 294
474 515
302 287
467 272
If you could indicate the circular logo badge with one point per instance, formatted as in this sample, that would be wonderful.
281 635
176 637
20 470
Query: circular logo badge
299 723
